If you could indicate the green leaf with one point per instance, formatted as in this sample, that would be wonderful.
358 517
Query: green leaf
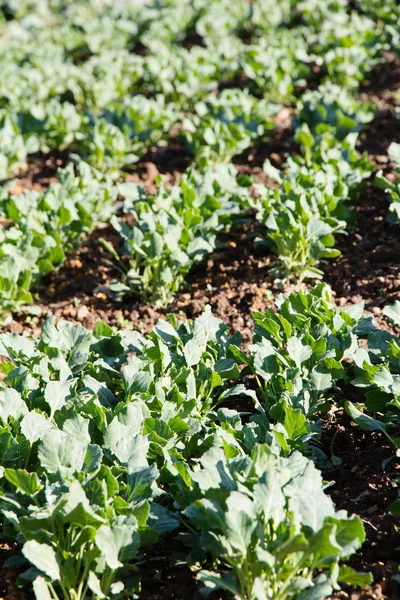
35 426
161 519
363 420
40 589
28 483
11 404
351 577
43 557
369 423
295 423
56 394
215 581
297 351
394 153
395 507
268 492
316 592
119 540
93 583
393 311
59 453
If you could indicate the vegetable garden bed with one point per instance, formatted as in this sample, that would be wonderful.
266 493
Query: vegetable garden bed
200 300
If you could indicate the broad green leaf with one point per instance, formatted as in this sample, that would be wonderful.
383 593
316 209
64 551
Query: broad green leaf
28 483
118 541
11 404
297 351
393 311
43 557
394 153
35 426
59 453
351 577
56 394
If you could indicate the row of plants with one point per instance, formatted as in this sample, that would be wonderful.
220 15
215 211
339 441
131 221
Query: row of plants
109 87
303 215
163 234
111 440
38 229
109 115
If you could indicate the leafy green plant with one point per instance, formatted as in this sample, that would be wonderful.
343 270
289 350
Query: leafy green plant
13 149
299 355
119 136
322 150
43 226
227 124
178 375
276 64
80 453
346 47
172 230
386 11
81 521
377 371
268 524
300 235
332 108
55 126
161 247
305 213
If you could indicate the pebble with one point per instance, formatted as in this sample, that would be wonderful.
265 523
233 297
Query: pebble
75 263
83 313
152 170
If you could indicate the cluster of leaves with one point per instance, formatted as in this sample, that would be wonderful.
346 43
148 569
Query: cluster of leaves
39 228
256 516
109 141
305 212
227 124
331 108
172 230
347 47
111 439
14 149
298 355
377 371
386 11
